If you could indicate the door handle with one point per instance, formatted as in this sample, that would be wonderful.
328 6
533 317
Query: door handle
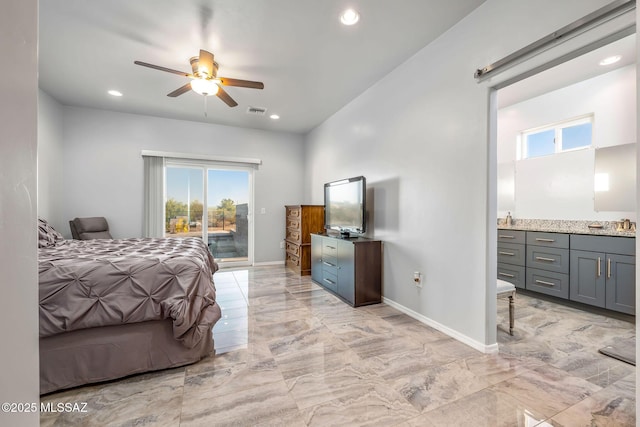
598 272
608 268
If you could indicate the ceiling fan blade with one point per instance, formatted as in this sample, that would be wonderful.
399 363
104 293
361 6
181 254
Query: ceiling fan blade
157 67
206 61
225 97
180 90
241 83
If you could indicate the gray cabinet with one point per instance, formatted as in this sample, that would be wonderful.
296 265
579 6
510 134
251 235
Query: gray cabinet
621 283
349 268
548 263
511 256
587 282
590 269
603 272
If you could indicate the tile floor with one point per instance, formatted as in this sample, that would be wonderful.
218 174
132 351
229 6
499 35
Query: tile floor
291 354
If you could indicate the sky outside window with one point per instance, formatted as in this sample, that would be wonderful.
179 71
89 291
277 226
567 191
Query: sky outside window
185 185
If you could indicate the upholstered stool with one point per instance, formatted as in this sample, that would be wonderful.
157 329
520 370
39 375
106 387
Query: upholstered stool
506 289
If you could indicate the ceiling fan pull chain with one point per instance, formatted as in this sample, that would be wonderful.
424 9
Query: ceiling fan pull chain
205 105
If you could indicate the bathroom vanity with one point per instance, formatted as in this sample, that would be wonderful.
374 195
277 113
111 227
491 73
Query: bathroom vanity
568 260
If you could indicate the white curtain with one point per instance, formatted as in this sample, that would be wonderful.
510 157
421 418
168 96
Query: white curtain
153 196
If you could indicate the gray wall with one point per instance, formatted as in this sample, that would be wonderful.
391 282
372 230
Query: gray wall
103 173
19 380
50 161
421 137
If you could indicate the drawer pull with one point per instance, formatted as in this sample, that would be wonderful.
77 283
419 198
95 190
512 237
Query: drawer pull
540 239
328 263
506 274
505 236
507 253
541 258
330 247
331 282
598 272
542 282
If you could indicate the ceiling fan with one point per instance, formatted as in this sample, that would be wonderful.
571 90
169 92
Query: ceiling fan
205 80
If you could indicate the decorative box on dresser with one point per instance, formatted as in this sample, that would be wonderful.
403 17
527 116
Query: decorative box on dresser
301 221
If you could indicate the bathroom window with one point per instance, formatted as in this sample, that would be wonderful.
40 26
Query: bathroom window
568 135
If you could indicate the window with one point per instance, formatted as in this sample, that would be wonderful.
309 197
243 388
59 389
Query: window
190 195
557 138
210 200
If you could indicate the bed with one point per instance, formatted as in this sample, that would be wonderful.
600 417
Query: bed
110 308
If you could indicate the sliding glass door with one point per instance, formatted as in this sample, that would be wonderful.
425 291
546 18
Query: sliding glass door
226 192
228 214
184 197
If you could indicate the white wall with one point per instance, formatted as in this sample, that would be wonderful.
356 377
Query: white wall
50 161
19 379
561 186
103 174
420 136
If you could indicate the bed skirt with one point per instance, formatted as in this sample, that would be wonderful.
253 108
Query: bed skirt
99 354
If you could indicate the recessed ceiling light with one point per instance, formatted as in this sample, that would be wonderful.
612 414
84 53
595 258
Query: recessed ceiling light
274 116
114 93
349 17
610 60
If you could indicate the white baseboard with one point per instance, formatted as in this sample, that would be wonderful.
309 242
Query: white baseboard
484 348
258 264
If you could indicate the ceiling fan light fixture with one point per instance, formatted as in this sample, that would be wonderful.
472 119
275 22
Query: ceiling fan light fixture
204 87
349 17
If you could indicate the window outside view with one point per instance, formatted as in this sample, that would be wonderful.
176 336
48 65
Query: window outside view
566 136
225 225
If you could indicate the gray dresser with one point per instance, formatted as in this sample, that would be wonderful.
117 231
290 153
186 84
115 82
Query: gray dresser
351 268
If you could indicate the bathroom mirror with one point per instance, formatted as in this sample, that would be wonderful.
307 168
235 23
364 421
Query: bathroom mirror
615 178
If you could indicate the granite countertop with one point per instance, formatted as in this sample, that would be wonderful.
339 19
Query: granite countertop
609 228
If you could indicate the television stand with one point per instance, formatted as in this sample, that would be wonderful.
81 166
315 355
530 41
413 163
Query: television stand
349 268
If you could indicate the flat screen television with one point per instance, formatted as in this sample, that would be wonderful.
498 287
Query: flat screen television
345 206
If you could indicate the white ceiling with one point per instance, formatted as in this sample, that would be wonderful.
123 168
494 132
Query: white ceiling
310 63
579 69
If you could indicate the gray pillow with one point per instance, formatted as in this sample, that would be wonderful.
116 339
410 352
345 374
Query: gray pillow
47 235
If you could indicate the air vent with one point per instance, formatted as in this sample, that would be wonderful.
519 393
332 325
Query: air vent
258 111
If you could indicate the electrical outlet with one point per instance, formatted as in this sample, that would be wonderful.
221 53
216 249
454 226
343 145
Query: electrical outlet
417 279
281 244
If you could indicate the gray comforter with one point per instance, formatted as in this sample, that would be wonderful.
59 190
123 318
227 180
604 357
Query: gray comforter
93 283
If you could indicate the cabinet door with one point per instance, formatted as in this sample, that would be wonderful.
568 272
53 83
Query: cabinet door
587 279
621 283
346 273
316 258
